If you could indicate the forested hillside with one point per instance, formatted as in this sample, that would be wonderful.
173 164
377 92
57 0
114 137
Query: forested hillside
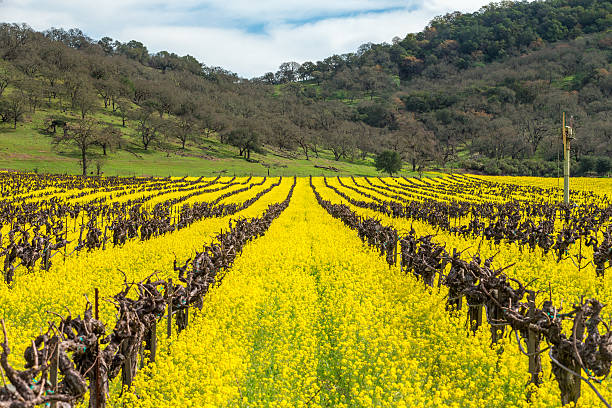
482 91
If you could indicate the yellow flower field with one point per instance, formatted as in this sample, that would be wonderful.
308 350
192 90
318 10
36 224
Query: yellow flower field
307 314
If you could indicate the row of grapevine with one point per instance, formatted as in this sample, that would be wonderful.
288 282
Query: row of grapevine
72 347
584 348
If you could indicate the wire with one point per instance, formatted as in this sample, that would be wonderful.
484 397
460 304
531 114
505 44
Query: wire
581 377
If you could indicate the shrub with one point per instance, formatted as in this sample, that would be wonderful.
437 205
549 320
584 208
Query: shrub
603 165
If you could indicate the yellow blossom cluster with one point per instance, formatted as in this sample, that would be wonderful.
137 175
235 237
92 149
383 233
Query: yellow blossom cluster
599 185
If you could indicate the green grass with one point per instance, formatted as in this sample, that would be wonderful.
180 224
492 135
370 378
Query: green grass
29 148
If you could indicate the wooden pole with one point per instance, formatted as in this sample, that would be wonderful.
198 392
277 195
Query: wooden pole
566 163
53 369
395 248
81 237
497 330
182 319
169 326
47 250
533 345
475 316
97 374
104 239
66 246
580 255
152 342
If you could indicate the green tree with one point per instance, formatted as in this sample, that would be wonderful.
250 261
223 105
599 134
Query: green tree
586 164
388 161
246 140
603 166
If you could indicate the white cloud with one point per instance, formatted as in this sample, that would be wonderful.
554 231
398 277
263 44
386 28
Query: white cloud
254 54
215 31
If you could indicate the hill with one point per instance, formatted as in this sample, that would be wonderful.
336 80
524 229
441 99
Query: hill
481 91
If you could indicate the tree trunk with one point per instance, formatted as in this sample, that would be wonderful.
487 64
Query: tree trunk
305 149
104 149
84 161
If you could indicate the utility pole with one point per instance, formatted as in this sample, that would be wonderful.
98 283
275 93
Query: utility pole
568 136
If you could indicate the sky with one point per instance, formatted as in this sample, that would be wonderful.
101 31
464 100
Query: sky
249 37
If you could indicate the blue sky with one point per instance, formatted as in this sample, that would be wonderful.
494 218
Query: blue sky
249 37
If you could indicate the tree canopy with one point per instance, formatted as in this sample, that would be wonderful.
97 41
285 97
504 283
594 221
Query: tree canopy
388 161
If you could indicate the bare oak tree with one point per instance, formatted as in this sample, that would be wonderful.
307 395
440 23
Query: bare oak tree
83 134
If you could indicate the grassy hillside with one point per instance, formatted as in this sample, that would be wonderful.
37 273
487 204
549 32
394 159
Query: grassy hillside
30 148
466 92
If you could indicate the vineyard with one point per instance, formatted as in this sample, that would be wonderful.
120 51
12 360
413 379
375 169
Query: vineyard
460 291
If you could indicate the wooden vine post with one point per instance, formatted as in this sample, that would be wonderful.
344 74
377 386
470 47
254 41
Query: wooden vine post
169 294
182 315
66 246
81 237
54 367
395 248
401 255
533 344
104 239
151 341
475 316
96 398
182 319
46 259
497 326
